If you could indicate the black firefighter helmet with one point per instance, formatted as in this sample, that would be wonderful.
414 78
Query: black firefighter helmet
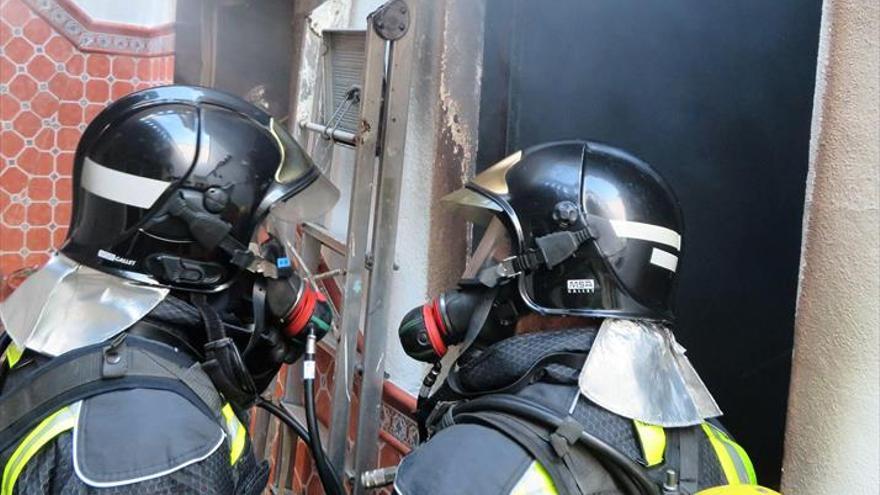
583 229
171 183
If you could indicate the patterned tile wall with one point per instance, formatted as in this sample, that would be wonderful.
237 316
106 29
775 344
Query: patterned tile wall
49 90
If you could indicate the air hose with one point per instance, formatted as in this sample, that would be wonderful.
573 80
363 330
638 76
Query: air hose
631 475
329 479
312 437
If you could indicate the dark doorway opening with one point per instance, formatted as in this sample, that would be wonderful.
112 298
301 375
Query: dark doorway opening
718 97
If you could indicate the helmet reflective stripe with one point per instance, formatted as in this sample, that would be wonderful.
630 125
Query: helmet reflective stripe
647 232
663 259
59 422
236 433
535 481
120 187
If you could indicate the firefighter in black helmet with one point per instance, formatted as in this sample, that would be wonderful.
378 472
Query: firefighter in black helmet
567 377
138 349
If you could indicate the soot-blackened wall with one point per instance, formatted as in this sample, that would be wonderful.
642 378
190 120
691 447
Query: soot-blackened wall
718 97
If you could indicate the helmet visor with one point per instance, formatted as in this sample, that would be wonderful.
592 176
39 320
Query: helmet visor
295 163
309 204
494 247
471 206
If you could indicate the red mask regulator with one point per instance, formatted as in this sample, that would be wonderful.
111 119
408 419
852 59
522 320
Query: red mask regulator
457 316
289 306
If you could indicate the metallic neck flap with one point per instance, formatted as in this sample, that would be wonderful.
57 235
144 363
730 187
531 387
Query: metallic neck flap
636 369
65 305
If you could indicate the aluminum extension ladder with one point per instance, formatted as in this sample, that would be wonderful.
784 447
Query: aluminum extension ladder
372 231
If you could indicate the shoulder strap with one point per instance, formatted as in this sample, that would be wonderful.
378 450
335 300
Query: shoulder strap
561 433
574 360
535 441
93 370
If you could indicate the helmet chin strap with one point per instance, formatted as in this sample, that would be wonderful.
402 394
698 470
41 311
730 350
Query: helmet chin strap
212 232
553 248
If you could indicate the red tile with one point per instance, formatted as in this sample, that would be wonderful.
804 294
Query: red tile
92 111
11 240
40 189
45 139
75 65
68 138
62 213
41 68
120 89
98 65
97 91
4 196
70 114
13 215
37 30
16 13
59 236
169 69
10 144
59 49
315 487
39 239
45 104
9 262
7 70
39 214
8 107
18 50
144 71
67 88
23 87
63 189
27 124
5 32
36 162
36 260
388 455
64 164
123 67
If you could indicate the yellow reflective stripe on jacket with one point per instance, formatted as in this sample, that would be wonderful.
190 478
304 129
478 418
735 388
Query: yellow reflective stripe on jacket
236 432
535 481
738 490
59 422
653 441
13 354
734 461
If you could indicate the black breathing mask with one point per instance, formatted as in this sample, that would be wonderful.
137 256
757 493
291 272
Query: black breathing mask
289 305
467 314
286 309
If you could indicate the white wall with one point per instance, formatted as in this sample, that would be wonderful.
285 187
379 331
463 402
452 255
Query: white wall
144 13
832 432
409 284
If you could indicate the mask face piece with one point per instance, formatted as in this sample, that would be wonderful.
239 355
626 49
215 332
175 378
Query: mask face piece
292 303
470 313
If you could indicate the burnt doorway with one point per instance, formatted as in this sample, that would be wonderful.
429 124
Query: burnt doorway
244 47
718 97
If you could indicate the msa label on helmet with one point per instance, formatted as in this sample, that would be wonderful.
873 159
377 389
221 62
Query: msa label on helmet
581 286
114 258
